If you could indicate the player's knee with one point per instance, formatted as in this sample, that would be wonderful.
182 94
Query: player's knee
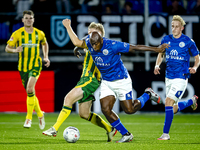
67 101
105 110
128 111
83 115
29 90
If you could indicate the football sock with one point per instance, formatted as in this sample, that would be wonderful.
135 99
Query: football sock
169 114
64 113
119 126
97 120
183 104
30 102
37 108
143 99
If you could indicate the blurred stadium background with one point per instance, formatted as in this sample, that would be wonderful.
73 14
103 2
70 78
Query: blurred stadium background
141 25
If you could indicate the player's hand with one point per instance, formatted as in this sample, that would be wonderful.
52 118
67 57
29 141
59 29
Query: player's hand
47 62
157 70
19 49
193 70
76 52
162 48
66 23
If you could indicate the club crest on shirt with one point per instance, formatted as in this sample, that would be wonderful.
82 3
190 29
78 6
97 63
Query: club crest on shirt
181 44
105 52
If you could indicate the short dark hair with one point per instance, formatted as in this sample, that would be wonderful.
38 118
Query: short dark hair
29 12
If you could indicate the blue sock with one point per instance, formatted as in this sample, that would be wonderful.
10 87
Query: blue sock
143 99
182 105
119 126
169 114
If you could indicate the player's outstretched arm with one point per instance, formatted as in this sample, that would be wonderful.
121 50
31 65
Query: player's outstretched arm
75 40
10 49
159 49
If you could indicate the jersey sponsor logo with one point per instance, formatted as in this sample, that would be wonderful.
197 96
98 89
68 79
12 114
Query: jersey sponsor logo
174 52
99 62
59 34
30 45
105 52
181 44
174 55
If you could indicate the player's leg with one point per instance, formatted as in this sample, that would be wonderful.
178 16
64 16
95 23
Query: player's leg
85 113
107 100
35 73
171 90
180 105
30 90
91 92
40 113
169 115
107 104
73 96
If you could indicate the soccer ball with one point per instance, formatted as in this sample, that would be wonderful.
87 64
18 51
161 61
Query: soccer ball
71 134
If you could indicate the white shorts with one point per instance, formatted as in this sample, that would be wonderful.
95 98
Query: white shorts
175 88
121 89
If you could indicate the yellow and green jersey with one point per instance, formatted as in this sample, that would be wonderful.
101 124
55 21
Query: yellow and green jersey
89 68
29 58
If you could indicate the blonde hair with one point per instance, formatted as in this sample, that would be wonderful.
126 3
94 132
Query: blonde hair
178 18
97 26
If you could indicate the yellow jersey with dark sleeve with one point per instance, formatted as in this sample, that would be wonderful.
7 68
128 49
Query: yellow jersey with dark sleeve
30 56
89 68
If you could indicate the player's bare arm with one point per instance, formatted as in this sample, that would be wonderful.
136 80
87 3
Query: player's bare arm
193 69
159 49
45 49
10 49
159 60
75 40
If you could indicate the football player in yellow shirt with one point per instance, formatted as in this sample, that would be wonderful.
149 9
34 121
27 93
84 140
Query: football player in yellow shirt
26 42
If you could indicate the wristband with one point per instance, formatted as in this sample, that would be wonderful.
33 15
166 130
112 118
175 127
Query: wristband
156 66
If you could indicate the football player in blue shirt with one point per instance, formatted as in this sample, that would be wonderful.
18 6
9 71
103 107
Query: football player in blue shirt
178 71
116 82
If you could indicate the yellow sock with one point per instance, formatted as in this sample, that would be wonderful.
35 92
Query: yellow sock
64 113
37 108
30 102
97 120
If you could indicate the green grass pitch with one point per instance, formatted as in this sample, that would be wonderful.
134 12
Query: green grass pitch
146 128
